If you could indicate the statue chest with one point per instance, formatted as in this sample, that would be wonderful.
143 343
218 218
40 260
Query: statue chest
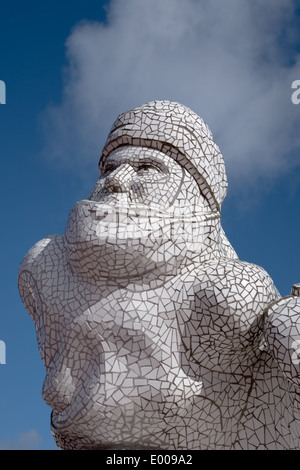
129 322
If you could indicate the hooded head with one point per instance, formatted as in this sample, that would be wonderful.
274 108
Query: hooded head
179 133
141 218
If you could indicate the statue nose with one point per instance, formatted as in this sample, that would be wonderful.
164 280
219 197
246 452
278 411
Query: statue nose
119 180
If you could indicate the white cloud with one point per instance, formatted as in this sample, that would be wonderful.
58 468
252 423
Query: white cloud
29 440
225 60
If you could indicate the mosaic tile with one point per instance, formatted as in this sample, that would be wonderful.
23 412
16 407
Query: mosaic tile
153 333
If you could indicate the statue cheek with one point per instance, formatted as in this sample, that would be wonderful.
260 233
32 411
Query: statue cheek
158 189
150 192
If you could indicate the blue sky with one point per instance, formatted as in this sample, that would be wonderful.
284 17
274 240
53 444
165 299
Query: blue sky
70 68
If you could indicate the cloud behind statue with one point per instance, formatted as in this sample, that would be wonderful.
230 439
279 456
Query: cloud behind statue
227 61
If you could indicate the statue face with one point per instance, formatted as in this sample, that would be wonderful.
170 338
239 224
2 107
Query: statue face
141 209
147 176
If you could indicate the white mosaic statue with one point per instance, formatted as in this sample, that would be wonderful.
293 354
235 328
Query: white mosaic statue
154 335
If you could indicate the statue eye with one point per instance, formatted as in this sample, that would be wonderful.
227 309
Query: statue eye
147 167
109 168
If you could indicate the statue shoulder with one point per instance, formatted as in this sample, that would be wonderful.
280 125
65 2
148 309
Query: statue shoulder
230 297
233 280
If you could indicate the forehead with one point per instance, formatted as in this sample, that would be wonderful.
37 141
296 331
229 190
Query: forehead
133 154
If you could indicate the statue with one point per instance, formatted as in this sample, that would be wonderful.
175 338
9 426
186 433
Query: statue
154 335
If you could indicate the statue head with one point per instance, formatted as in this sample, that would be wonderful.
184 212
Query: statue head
157 202
179 133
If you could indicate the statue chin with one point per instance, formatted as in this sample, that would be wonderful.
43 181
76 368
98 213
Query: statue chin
106 241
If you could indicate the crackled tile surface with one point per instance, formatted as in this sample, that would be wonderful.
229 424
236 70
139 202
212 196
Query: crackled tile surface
152 332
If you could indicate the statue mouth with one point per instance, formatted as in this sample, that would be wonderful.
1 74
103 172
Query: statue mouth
122 220
133 239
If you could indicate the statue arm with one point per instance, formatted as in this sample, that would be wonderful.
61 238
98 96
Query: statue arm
230 302
282 334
